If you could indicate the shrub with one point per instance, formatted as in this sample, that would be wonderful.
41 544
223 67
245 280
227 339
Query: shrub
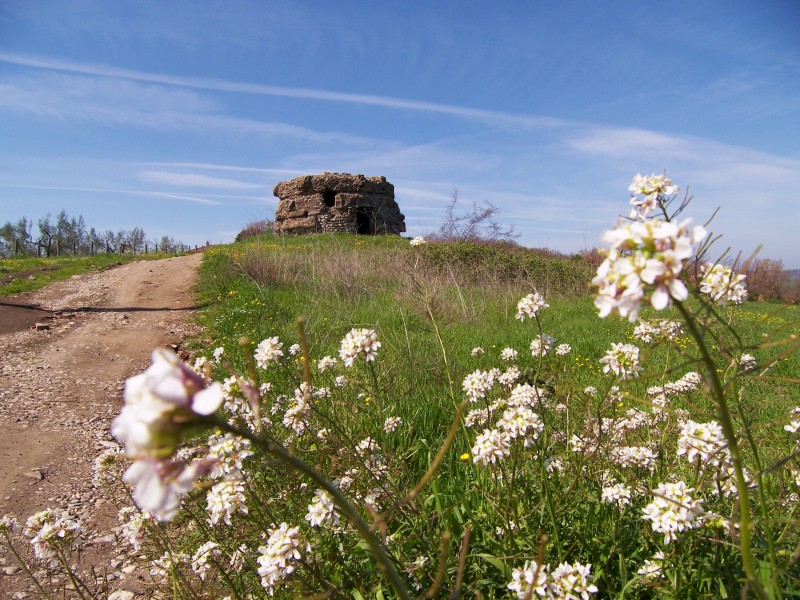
254 228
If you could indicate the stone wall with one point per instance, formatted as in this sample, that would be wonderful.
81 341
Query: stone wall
337 202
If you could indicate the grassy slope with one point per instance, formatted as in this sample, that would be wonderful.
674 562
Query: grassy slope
258 288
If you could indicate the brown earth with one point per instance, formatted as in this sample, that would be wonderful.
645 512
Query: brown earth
60 387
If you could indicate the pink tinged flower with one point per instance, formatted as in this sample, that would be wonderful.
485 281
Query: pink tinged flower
158 402
159 484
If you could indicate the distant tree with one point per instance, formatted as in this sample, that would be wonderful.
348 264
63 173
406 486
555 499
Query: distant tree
477 224
134 240
47 234
167 245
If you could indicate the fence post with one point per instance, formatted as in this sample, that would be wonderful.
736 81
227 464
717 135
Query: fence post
91 248
58 247
16 245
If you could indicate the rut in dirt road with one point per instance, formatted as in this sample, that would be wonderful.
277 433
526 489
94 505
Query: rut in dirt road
60 388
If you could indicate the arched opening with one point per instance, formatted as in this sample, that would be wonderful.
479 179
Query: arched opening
292 205
364 222
329 198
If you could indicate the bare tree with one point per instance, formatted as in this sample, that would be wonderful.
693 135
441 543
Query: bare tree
477 224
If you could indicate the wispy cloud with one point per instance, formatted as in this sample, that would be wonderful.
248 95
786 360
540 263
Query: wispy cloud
222 85
133 103
219 167
195 180
207 199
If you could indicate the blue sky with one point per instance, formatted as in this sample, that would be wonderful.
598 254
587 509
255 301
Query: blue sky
181 116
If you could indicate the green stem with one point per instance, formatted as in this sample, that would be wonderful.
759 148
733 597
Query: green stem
726 422
385 563
24 566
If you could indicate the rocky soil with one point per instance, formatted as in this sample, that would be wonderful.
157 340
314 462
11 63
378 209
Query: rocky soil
60 387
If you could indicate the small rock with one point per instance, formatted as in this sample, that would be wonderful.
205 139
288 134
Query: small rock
42 326
129 569
121 595
36 474
12 569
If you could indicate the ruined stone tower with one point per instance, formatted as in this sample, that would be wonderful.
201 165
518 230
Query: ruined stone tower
337 202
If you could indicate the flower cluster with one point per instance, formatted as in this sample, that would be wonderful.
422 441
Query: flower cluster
645 191
703 442
508 354
622 360
541 345
418 241
226 499
657 331
720 284
359 341
268 351
277 560
530 306
52 535
322 510
204 557
673 509
570 581
134 525
644 262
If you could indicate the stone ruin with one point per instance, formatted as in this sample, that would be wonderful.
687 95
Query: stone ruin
337 202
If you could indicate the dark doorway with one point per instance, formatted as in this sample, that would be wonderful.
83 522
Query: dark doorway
364 222
329 198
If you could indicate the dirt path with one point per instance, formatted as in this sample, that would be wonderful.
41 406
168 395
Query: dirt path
60 388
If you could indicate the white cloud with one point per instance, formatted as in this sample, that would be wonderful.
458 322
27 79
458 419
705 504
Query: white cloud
131 103
195 180
473 114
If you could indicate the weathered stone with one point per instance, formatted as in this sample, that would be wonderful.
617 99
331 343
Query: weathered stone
337 202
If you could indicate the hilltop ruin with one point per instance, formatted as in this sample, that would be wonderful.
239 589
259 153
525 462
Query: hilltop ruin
337 202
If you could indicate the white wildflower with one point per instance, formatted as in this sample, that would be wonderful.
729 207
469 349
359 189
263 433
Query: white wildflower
326 363
490 446
619 494
721 285
268 351
529 581
226 499
202 560
322 511
673 510
278 559
530 306
391 424
359 341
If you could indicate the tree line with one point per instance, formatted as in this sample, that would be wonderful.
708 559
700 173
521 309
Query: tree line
66 235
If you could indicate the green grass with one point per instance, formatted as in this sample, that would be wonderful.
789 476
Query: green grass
430 308
27 274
